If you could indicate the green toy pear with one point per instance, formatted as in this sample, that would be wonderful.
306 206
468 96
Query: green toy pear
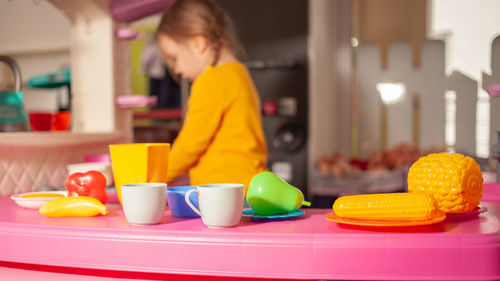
270 195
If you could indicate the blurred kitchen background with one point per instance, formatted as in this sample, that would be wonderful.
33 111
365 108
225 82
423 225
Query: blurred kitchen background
352 91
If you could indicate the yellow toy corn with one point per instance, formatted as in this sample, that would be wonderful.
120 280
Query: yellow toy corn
73 206
453 179
387 206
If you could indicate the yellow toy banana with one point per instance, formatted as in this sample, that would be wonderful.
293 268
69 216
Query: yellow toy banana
73 206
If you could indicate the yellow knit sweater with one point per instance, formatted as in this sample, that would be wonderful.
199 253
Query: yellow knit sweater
222 140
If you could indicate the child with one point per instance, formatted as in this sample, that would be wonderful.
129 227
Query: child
222 140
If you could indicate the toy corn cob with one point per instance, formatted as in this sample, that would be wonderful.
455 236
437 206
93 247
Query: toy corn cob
387 206
455 181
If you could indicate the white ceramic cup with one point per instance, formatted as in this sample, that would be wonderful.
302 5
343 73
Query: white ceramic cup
221 204
144 203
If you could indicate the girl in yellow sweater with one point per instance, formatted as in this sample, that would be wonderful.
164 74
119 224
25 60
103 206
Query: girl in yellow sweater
222 138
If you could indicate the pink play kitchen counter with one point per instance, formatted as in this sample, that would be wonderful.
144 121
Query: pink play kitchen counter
34 247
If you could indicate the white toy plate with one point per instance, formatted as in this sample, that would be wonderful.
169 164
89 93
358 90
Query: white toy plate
34 200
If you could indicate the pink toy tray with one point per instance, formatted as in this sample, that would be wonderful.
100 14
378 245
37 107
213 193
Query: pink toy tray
491 192
467 215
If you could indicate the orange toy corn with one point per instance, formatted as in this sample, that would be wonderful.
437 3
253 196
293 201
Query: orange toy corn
454 180
387 206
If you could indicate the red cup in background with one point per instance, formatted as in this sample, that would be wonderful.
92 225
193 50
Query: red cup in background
62 121
41 121
270 108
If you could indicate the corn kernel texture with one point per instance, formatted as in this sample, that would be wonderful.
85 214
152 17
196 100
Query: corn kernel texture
387 206
453 179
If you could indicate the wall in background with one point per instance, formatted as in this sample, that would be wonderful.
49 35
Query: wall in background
385 21
469 32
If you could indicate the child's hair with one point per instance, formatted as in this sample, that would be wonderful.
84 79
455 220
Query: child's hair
186 18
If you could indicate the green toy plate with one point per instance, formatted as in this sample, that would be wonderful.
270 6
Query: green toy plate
249 213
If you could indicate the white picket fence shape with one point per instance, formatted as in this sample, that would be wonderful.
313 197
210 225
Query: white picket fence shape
425 89
488 80
465 116
427 83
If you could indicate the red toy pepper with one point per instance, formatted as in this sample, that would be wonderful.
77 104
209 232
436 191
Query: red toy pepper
91 183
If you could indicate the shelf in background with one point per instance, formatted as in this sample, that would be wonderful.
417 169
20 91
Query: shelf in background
35 51
51 139
160 114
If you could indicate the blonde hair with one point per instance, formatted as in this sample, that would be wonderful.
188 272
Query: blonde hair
200 17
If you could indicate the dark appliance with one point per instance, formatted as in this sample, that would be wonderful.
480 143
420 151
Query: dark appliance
274 36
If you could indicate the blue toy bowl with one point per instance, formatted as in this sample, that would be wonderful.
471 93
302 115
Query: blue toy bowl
177 203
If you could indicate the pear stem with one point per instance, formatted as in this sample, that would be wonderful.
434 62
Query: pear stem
306 203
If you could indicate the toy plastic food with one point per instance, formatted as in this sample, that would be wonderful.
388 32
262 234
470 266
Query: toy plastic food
73 206
387 206
91 183
270 195
42 195
454 180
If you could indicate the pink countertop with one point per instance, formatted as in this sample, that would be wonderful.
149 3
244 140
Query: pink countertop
308 247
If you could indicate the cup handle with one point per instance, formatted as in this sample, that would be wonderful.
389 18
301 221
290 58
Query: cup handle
186 197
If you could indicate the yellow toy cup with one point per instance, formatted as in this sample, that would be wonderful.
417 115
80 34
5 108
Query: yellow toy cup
139 163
